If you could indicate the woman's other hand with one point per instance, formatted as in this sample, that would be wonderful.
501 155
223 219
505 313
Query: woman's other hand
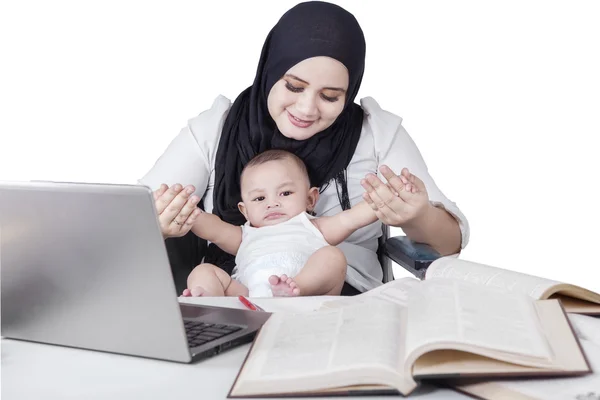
177 209
401 201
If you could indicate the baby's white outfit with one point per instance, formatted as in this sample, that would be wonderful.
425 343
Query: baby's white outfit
275 250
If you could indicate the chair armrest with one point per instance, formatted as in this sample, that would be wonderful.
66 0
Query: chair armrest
412 256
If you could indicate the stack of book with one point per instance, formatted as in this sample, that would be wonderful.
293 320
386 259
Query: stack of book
486 331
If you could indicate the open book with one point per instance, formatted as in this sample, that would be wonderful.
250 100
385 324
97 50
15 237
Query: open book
574 299
442 328
585 387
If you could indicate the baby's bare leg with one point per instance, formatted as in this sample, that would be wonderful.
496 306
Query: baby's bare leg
323 273
210 280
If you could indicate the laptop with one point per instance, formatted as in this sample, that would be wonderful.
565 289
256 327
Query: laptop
85 266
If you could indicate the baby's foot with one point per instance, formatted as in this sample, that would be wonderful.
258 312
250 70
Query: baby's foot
196 291
283 286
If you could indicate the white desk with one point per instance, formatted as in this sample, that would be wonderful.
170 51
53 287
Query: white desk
38 371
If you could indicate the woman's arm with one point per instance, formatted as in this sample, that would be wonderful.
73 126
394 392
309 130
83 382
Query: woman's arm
437 228
403 202
179 179
186 163
437 221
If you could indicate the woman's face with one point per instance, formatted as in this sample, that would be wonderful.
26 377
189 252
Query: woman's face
309 97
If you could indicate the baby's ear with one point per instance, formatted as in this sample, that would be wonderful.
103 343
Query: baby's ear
242 208
313 196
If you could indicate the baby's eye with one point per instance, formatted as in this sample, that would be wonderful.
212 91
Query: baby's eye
259 198
286 193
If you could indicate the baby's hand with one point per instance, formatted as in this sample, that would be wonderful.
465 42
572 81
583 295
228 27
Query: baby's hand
410 181
407 187
402 199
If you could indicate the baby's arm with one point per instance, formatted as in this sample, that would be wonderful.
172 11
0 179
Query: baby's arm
210 227
337 228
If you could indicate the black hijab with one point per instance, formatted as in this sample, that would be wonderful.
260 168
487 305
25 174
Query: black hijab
309 29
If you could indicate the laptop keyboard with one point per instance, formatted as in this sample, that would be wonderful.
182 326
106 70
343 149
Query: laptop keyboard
199 333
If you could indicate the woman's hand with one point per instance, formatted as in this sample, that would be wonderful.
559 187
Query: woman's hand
177 209
402 200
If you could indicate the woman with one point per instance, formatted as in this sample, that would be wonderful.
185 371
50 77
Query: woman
302 100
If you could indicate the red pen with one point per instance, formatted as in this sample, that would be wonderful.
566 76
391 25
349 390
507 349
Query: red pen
249 305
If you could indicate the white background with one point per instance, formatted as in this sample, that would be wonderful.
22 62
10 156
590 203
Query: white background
502 99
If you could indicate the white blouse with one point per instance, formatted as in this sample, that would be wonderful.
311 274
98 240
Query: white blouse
190 159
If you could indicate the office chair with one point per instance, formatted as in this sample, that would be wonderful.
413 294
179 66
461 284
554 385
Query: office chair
412 256
187 251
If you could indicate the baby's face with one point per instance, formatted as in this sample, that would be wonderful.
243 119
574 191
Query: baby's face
274 192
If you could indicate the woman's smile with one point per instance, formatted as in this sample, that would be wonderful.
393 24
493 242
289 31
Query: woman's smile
300 123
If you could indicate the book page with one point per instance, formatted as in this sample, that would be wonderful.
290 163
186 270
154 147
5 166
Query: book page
293 345
454 268
445 310
585 387
568 357
395 291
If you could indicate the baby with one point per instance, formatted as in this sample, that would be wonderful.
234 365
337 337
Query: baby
281 250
